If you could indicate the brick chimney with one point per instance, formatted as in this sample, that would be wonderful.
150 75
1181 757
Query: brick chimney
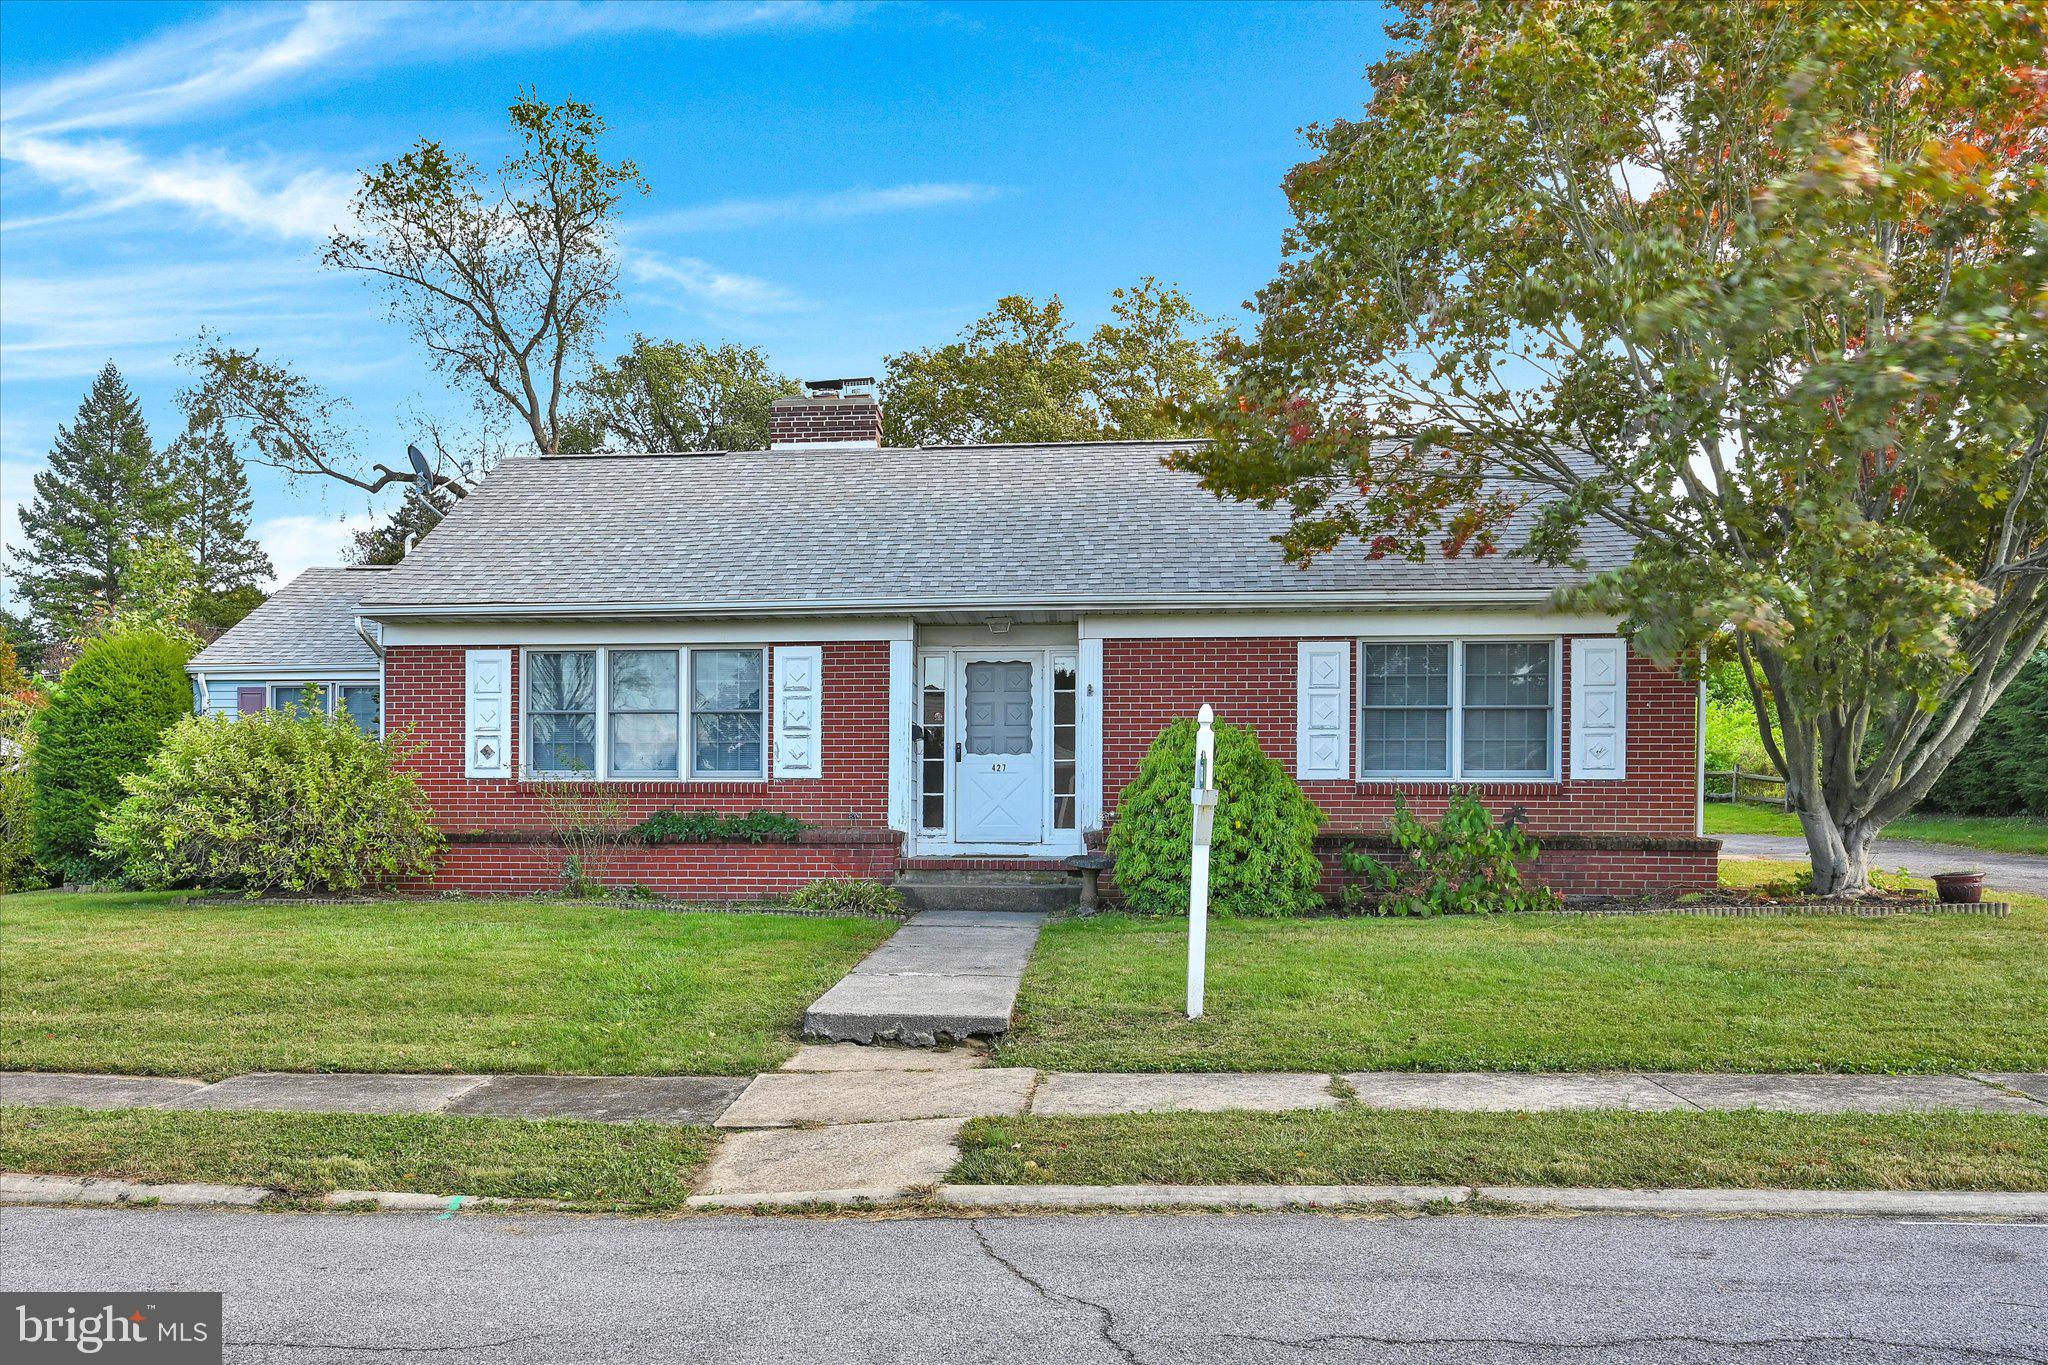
831 414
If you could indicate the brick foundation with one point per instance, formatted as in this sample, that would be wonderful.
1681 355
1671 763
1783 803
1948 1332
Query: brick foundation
690 872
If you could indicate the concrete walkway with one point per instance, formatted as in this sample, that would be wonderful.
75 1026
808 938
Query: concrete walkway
944 977
2020 872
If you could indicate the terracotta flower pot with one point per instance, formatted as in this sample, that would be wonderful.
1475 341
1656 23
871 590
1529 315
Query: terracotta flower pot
1959 888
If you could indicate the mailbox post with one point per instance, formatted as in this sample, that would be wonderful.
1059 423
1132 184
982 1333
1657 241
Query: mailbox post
1204 797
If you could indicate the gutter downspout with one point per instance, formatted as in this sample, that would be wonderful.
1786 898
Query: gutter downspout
376 645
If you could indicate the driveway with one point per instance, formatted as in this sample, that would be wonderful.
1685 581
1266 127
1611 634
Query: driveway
2004 871
1261 1290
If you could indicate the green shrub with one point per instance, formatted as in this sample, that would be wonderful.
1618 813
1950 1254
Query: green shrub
18 868
102 724
271 802
1262 855
847 897
705 826
2003 770
1465 864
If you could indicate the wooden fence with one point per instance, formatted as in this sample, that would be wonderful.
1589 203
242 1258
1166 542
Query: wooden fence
1733 784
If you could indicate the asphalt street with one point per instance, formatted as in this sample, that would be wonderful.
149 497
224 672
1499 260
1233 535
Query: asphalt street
1159 1288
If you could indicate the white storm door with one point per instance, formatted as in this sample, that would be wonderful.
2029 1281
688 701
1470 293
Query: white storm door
998 770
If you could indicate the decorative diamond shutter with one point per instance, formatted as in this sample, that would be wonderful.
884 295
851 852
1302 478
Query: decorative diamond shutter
1599 709
251 700
1322 744
487 712
799 671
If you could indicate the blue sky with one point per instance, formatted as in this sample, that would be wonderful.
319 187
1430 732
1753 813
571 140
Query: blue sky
830 182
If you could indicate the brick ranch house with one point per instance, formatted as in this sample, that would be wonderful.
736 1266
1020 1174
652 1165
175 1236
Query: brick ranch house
954 657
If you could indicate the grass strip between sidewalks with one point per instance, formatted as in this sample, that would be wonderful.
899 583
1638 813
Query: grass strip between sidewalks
1741 1150
631 1167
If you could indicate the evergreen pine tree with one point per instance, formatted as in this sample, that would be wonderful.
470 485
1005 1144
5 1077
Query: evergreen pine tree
105 491
386 541
214 527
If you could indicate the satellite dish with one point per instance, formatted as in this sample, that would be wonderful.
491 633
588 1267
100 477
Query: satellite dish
423 471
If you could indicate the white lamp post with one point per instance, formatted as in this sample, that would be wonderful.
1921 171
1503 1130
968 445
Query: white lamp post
1204 797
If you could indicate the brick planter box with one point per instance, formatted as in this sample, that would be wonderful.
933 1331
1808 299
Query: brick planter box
530 861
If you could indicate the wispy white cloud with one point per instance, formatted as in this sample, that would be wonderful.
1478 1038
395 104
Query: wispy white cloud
110 176
299 541
855 203
710 287
67 325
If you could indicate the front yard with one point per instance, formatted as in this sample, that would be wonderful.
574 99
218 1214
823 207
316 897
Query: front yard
147 984
1607 1148
1546 993
633 1167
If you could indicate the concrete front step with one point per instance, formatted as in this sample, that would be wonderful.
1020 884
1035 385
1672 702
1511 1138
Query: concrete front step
1041 892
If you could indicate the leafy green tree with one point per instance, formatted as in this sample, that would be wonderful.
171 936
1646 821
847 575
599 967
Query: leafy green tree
24 639
1020 374
106 488
214 527
162 592
677 395
1762 286
101 724
504 279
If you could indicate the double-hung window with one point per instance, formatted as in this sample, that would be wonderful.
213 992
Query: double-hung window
727 727
561 712
640 713
1457 709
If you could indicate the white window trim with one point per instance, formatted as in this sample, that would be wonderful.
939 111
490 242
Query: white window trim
686 773
1457 772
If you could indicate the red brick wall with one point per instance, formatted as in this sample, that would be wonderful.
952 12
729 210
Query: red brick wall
423 698
691 872
1251 681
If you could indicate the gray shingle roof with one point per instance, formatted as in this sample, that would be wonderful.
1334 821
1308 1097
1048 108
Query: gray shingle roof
308 624
1087 523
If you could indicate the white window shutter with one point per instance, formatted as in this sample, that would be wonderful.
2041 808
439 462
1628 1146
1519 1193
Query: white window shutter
487 712
1322 741
1599 716
799 683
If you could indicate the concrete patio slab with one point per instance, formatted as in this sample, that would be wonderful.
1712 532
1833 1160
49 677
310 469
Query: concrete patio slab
1504 1092
93 1092
1845 1094
883 1160
332 1093
1099 1092
783 1099
603 1099
2034 1083
868 1057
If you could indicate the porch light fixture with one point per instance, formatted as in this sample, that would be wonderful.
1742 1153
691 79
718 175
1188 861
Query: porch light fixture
999 625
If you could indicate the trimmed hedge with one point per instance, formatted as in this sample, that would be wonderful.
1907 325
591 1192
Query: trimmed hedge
104 721
272 802
1262 856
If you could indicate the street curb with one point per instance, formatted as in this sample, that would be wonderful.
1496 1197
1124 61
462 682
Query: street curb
17 1188
1198 1196
64 1189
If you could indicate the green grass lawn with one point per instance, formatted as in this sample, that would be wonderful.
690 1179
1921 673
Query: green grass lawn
1599 1148
146 984
1546 992
1995 834
641 1167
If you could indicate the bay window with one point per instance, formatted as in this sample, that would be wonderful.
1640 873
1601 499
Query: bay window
1457 709
647 713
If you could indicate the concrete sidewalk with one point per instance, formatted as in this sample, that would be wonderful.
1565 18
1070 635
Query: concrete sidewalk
839 1084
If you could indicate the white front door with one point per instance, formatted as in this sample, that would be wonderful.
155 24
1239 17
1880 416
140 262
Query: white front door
999 770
